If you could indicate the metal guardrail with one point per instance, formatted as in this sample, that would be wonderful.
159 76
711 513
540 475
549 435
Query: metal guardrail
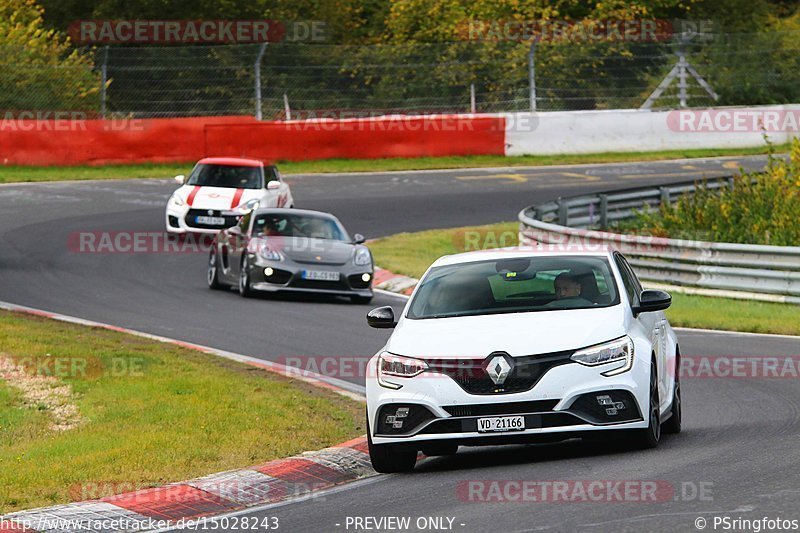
749 271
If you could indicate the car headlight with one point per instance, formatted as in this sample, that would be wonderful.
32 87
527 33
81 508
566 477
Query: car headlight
362 257
619 350
249 205
176 200
398 366
268 253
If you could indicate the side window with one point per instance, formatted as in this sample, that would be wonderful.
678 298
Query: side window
271 173
628 279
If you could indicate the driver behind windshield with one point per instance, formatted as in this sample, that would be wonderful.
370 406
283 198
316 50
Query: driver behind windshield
569 292
566 286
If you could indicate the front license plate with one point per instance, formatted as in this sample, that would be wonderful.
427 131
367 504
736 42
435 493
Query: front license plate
210 221
320 275
501 423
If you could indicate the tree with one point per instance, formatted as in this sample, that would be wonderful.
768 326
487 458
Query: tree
40 70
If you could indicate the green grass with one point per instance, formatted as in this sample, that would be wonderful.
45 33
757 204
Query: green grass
11 174
694 311
412 253
155 413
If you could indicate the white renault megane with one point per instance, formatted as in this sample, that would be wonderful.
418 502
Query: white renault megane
519 345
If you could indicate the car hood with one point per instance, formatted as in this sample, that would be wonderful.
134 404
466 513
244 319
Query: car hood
218 198
517 334
315 251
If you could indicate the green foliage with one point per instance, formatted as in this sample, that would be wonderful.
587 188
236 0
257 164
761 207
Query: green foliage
40 69
759 209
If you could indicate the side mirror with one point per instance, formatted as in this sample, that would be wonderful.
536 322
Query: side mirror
652 300
381 318
180 178
358 239
273 185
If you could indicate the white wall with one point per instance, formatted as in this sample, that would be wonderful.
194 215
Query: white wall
626 130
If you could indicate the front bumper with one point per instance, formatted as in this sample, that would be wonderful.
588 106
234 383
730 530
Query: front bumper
563 403
287 277
181 220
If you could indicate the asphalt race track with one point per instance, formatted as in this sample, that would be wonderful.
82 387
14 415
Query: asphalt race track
739 446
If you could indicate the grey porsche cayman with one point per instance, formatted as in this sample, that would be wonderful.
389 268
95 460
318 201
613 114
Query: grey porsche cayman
274 249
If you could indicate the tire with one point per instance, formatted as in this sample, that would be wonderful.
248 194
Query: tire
213 271
390 458
650 436
361 299
673 423
244 280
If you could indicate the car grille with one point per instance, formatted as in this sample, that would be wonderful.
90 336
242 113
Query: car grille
526 371
230 220
319 285
511 408
470 425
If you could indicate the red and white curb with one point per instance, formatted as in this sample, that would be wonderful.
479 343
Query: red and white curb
385 280
208 496
179 503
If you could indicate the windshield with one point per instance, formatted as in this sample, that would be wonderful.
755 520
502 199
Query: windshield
296 225
237 177
515 285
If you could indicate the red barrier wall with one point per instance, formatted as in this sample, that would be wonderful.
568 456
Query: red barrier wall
74 141
440 135
96 142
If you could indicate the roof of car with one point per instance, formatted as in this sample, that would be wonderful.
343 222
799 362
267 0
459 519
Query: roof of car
293 211
525 251
231 161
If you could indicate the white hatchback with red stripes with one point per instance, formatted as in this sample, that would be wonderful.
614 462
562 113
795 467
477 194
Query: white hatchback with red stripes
219 190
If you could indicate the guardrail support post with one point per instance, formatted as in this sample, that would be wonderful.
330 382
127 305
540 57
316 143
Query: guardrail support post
664 195
532 76
257 80
731 182
562 212
104 83
603 211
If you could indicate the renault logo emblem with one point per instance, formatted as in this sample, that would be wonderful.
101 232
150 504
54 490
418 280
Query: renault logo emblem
498 369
